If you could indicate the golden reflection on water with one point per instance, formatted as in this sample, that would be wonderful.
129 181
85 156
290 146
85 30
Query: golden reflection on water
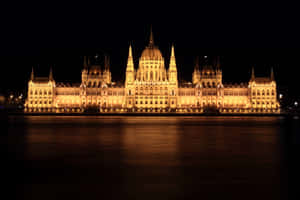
148 141
155 157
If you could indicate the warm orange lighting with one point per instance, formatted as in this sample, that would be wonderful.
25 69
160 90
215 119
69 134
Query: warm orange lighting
151 88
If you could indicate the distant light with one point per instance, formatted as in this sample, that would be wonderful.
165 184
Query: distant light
11 96
280 96
205 57
296 103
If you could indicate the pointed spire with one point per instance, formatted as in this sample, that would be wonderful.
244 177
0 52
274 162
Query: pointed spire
252 74
172 60
197 67
84 62
50 74
218 62
130 65
272 74
89 61
151 40
32 74
106 62
172 51
130 51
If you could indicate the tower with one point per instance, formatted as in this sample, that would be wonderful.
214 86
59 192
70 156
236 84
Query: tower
84 72
172 68
252 74
129 68
218 70
106 73
32 75
272 74
50 74
196 73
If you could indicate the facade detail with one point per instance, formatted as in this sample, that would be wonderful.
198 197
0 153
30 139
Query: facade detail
151 88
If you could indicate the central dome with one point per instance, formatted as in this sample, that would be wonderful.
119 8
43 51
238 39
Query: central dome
151 52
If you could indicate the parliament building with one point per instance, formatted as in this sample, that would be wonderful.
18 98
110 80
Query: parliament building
151 88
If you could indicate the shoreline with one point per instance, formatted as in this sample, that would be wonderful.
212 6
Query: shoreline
148 114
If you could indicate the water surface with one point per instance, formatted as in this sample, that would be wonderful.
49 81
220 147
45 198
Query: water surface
117 157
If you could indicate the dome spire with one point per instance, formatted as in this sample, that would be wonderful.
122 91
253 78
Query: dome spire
151 40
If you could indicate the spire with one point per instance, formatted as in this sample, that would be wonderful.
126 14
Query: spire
218 63
272 74
106 62
89 61
130 51
172 51
50 74
151 40
252 74
32 74
84 62
172 60
130 65
197 67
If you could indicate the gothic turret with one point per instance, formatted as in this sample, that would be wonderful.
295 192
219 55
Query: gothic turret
196 73
50 75
130 68
84 62
106 73
252 74
272 74
32 74
172 67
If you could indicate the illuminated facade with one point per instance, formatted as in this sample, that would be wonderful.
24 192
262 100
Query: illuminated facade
152 89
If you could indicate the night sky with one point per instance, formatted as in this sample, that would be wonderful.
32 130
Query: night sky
263 36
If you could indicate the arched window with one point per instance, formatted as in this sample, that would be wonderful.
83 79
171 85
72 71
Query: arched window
151 75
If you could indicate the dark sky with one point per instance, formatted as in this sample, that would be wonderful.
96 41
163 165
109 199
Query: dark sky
60 34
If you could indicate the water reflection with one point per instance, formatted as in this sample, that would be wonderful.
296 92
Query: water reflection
151 157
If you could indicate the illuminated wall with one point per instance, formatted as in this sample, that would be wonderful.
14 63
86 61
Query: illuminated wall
152 88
